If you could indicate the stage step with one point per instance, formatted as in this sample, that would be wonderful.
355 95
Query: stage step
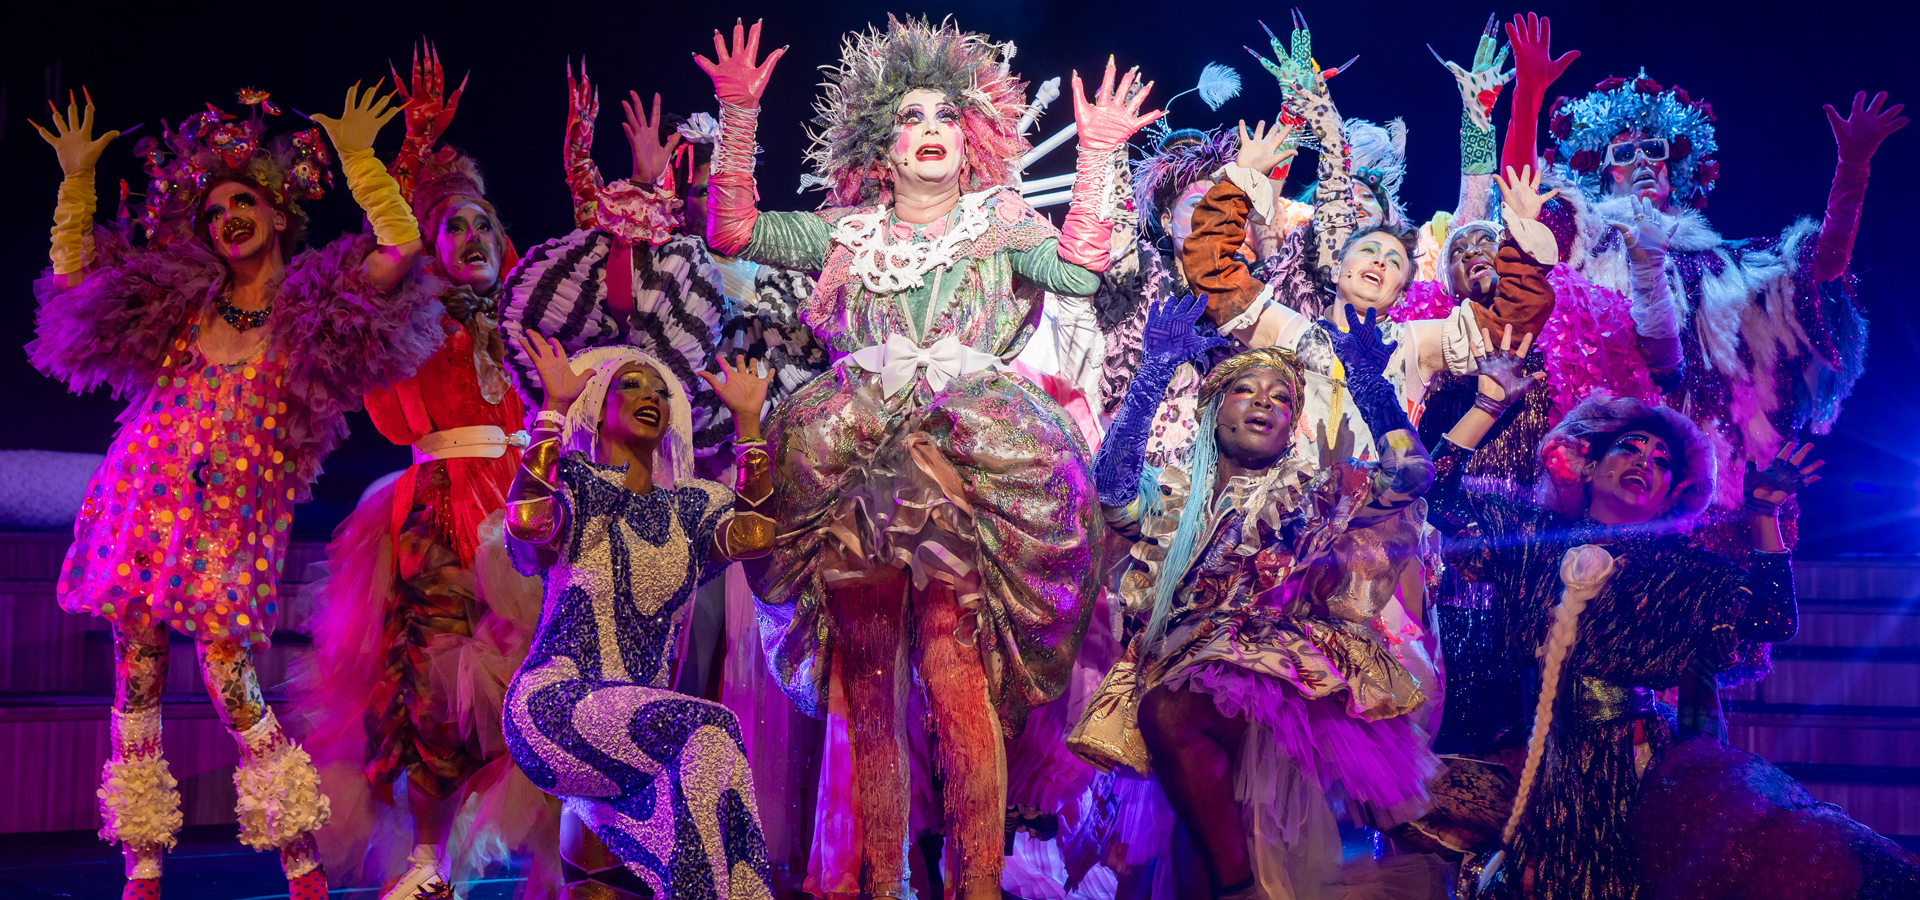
1841 711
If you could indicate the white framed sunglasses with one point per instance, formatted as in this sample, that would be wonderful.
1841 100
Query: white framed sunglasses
1621 153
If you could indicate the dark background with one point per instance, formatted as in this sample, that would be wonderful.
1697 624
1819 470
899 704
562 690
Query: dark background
1766 67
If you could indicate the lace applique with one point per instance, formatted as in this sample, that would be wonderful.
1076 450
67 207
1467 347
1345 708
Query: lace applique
887 268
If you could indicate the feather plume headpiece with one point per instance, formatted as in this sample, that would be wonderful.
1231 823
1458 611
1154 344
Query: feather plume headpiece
1183 157
1583 128
854 116
213 146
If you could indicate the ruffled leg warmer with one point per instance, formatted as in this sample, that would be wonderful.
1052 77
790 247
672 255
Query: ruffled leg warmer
280 804
139 798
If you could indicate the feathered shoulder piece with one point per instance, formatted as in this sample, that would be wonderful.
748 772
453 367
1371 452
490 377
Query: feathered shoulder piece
854 115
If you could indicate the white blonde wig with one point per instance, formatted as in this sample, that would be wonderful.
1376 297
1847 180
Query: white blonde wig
673 461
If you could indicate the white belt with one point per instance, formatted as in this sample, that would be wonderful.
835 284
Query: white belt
484 441
900 359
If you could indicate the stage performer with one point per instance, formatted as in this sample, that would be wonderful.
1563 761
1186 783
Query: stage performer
1607 541
1375 265
1755 339
413 644
242 360
639 270
606 506
1258 617
924 497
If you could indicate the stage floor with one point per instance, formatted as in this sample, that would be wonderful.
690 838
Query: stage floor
209 864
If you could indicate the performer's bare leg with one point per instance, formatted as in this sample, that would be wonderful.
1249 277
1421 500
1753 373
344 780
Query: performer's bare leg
1194 750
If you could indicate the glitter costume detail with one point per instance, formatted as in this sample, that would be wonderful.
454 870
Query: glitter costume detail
661 778
1669 602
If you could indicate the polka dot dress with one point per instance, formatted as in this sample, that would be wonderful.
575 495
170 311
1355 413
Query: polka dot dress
186 522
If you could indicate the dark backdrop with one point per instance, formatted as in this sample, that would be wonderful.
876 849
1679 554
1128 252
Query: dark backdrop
1766 67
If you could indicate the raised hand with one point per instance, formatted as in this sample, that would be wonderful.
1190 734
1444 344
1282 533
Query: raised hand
1646 241
1480 86
1520 192
1266 149
1293 65
1767 488
558 380
1501 381
1170 338
1114 115
72 136
1362 348
1533 61
360 122
650 156
427 114
745 389
1860 133
737 79
583 107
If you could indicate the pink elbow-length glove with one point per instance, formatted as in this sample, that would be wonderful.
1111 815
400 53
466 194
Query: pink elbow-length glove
1857 136
737 83
1086 237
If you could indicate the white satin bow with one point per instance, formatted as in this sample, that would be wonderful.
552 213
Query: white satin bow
900 359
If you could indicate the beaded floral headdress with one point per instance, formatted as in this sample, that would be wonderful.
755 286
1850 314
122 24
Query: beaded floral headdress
214 146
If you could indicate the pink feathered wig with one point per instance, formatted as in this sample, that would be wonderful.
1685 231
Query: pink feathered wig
855 112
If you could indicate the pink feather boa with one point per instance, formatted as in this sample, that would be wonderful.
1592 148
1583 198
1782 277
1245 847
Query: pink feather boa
1588 342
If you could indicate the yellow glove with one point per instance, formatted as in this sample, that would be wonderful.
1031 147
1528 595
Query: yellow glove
375 190
79 152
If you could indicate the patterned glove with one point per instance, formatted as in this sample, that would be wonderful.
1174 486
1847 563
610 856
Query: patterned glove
1503 368
1782 478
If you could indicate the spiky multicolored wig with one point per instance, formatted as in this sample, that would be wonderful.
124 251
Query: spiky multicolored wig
1181 158
855 112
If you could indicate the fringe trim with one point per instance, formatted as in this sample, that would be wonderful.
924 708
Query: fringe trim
139 802
279 789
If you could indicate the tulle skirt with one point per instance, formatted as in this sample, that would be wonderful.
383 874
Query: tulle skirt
501 815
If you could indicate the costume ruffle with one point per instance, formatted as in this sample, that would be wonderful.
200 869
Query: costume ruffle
1383 763
344 339
113 328
993 312
983 486
560 290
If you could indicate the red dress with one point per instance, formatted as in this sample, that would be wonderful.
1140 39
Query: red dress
446 394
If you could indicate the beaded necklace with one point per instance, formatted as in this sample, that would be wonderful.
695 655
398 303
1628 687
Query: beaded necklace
241 319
